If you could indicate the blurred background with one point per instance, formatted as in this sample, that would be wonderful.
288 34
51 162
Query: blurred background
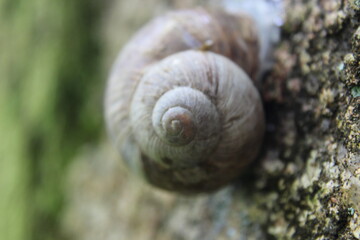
51 81
54 59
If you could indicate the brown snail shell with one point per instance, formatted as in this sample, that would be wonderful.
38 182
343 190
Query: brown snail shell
180 104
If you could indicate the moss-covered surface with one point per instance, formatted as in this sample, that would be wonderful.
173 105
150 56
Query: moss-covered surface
49 104
305 185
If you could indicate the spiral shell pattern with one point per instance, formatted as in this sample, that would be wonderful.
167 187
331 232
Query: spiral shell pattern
188 120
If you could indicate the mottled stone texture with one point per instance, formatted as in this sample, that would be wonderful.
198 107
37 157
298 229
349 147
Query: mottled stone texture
306 183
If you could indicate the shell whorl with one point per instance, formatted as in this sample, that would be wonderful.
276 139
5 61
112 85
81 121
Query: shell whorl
207 96
188 120
179 115
172 114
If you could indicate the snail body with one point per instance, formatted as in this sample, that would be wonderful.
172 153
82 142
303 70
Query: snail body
180 104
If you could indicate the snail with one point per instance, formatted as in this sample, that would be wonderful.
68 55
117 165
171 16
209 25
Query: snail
181 104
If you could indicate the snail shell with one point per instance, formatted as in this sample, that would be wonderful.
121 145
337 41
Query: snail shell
180 104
